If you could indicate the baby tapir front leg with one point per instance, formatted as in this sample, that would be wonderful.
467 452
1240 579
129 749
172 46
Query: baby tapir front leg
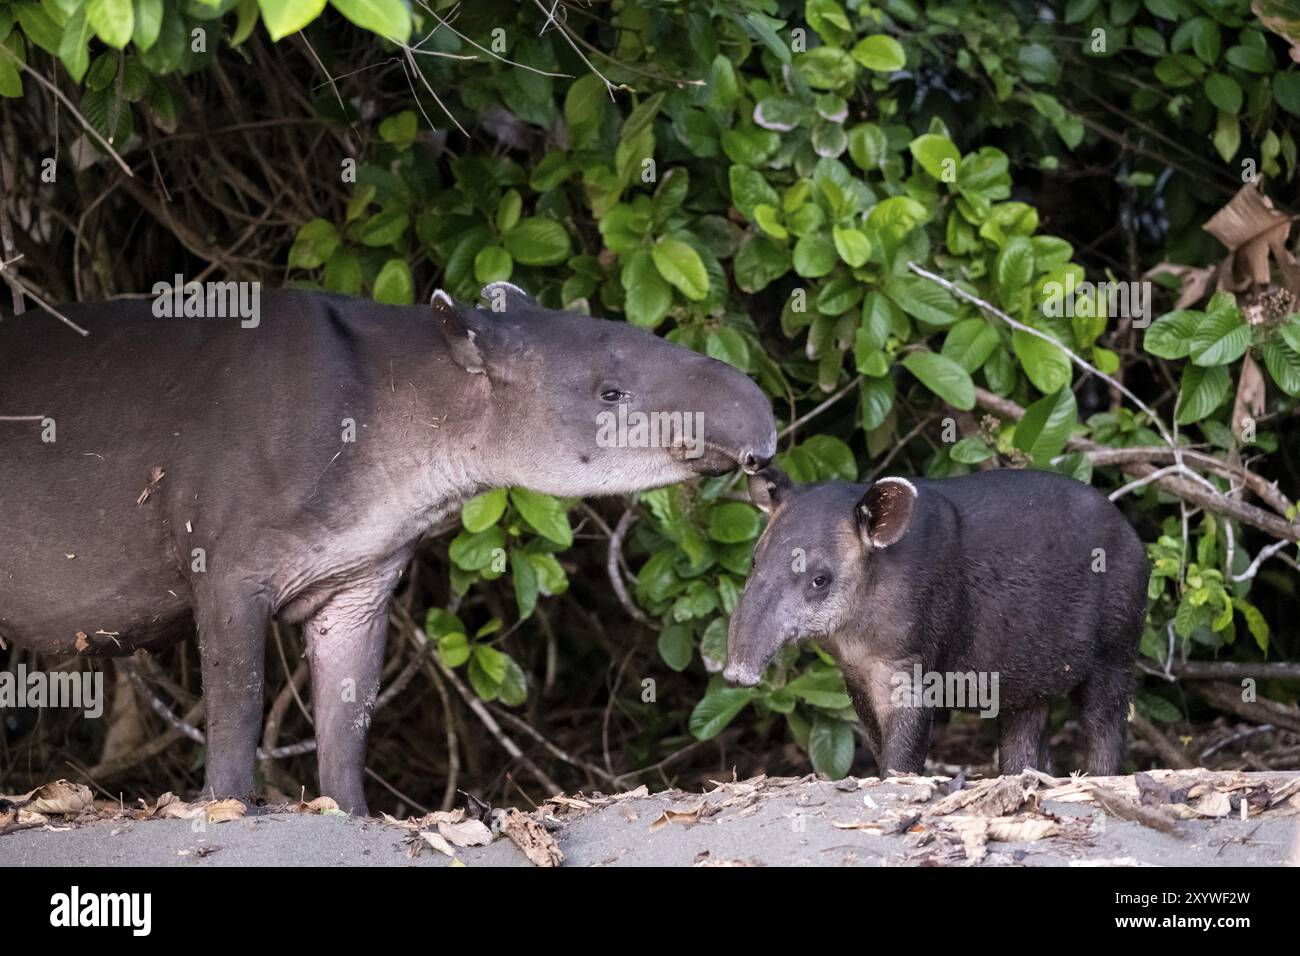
897 730
345 647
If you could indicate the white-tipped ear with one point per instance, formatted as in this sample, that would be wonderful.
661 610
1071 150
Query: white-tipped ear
885 512
458 336
502 296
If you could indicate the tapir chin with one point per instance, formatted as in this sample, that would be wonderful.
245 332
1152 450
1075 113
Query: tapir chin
1024 582
182 473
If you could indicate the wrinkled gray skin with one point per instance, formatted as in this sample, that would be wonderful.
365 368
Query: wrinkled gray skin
295 523
991 572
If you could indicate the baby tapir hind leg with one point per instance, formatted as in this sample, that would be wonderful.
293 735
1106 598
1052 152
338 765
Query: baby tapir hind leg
232 649
1103 713
1022 738
345 647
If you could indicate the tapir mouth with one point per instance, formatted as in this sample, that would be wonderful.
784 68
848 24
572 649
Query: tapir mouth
709 461
742 674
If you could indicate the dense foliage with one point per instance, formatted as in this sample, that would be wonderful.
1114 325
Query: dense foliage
870 208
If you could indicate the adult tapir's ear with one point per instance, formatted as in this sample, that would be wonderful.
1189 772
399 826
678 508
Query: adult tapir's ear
768 487
885 512
504 296
458 336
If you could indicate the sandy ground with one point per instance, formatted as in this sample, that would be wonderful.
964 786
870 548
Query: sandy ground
773 822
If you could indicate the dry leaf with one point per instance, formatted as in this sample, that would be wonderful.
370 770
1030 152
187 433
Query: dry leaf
687 817
1213 804
1250 227
466 833
438 843
223 811
59 797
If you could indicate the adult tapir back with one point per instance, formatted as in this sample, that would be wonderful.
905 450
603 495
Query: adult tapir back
159 475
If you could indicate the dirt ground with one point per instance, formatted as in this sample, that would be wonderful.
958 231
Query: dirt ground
1163 818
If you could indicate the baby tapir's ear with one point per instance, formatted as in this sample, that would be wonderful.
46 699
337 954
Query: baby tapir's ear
504 296
885 512
458 336
767 488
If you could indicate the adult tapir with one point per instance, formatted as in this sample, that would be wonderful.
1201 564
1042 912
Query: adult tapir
187 473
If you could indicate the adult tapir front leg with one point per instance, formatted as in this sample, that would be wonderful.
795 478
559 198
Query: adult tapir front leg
345 647
232 627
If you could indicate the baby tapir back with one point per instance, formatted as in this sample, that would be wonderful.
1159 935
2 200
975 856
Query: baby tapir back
1018 586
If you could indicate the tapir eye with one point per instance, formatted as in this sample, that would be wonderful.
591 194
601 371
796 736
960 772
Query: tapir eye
614 395
820 581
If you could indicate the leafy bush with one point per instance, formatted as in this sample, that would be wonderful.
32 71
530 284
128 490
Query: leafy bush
831 197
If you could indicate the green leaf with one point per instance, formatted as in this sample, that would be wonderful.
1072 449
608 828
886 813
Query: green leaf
1046 425
814 255
881 53
474 552
112 20
648 297
524 577
1221 337
944 377
315 242
1255 622
732 522
74 51
676 646
1203 389
717 709
1170 336
453 648
1225 93
852 245
922 299
1038 65
483 511
492 264
820 686
1047 365
1227 136
727 345
390 19
514 685
538 242
545 514
830 746
487 669
970 342
1283 365
394 285
283 17
400 129
937 155
680 264
970 451
1014 267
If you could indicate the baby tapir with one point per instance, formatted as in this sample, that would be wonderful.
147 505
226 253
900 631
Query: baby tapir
200 472
1029 581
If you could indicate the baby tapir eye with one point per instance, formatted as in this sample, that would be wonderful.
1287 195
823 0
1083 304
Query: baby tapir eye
614 395
820 581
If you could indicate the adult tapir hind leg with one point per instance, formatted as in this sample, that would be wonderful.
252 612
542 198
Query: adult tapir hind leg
232 625
345 647
1103 713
